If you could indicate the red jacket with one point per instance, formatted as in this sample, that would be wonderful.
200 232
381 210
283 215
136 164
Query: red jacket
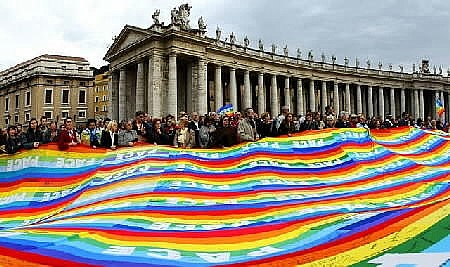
66 137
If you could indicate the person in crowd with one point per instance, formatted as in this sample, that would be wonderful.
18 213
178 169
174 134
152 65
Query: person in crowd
287 126
362 122
308 124
279 120
236 119
184 137
91 135
170 128
206 132
12 143
140 126
226 135
342 121
266 126
33 136
247 127
195 125
318 121
43 125
51 134
110 137
158 136
330 122
128 136
69 136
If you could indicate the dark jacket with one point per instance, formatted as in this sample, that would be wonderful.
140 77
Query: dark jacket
266 129
12 145
226 136
159 138
31 137
287 128
106 139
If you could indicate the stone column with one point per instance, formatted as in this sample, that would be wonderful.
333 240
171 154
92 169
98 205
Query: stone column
154 85
274 103
261 96
287 94
300 97
381 102
336 98
140 87
358 99
323 95
421 105
370 101
172 92
436 96
113 112
402 101
122 95
218 88
233 89
247 91
416 104
312 96
348 105
202 93
443 104
189 86
392 102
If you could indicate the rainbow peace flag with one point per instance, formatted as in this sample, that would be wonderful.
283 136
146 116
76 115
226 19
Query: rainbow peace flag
226 110
439 107
325 198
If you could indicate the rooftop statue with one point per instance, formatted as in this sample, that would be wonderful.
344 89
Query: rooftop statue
274 48
201 24
155 17
261 45
299 53
440 70
346 61
390 66
323 57
380 65
414 68
333 59
368 63
286 51
218 33
401 68
310 55
246 42
181 16
357 62
232 38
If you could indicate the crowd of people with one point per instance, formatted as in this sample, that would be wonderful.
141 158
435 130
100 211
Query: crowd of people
191 130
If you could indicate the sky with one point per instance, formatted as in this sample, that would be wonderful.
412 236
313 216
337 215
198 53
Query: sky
394 32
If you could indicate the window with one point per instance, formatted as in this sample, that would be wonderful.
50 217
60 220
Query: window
49 81
82 83
28 99
104 98
82 97
66 82
96 89
6 104
65 114
27 117
48 96
96 99
82 114
65 96
96 109
104 87
17 101
104 108
6 121
16 118
48 115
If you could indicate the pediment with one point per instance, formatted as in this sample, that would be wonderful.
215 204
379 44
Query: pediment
127 37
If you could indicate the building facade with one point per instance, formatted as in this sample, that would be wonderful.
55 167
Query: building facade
101 95
166 69
49 85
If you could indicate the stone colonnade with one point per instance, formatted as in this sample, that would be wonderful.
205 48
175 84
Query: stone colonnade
169 84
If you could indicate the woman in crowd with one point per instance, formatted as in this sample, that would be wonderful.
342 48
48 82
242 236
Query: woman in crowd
158 136
226 135
33 136
184 137
12 142
207 130
110 136
52 133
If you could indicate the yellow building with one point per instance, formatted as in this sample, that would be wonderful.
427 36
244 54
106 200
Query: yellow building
101 97
49 85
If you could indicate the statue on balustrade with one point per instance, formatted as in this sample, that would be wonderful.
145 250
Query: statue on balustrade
181 16
333 59
368 63
246 42
434 69
346 61
274 49
232 38
218 33
414 68
323 57
299 53
390 67
310 55
401 68
357 62
201 24
155 17
261 45
380 65
286 51
440 70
